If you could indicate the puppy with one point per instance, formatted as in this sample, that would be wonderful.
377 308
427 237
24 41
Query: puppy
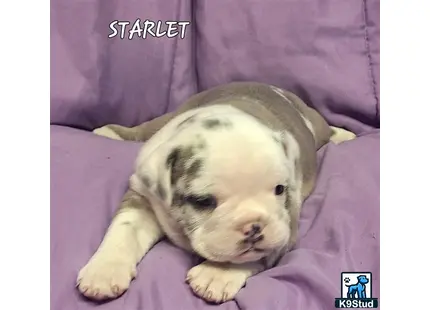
223 177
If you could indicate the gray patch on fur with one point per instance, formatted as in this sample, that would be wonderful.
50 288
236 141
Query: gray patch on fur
188 216
184 164
146 181
194 168
190 225
161 192
214 123
287 195
178 199
172 157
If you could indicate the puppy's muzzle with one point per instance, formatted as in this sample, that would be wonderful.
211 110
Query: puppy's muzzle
252 233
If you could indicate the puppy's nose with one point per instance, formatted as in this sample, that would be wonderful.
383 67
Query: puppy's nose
251 229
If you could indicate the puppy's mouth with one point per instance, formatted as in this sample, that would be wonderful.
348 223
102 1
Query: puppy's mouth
251 254
253 250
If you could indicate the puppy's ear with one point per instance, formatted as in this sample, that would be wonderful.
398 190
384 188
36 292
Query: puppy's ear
155 164
152 176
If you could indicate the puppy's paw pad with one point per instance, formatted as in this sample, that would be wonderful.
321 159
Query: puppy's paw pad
105 131
104 279
215 284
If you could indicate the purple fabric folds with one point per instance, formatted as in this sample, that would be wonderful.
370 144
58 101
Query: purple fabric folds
339 230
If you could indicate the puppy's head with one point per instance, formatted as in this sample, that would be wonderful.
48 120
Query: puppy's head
231 185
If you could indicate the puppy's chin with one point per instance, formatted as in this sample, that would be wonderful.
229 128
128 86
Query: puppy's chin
249 256
236 257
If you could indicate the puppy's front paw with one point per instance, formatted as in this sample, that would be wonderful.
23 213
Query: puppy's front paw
105 277
107 132
215 283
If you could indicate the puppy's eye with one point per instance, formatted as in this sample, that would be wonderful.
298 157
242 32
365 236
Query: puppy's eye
279 189
207 201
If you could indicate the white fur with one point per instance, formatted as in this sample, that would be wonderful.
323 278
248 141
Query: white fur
218 283
110 270
242 165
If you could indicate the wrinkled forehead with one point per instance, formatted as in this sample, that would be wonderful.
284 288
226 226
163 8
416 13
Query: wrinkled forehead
237 162
220 151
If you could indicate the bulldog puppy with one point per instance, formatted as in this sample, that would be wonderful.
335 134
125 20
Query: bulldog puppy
223 177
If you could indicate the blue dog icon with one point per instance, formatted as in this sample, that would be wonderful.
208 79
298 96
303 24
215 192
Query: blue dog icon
358 290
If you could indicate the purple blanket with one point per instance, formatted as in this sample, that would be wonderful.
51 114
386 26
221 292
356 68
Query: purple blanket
326 51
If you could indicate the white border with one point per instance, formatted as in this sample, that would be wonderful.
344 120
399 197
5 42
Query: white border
24 155
405 165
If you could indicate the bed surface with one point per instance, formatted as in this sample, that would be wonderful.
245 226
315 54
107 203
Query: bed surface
339 230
